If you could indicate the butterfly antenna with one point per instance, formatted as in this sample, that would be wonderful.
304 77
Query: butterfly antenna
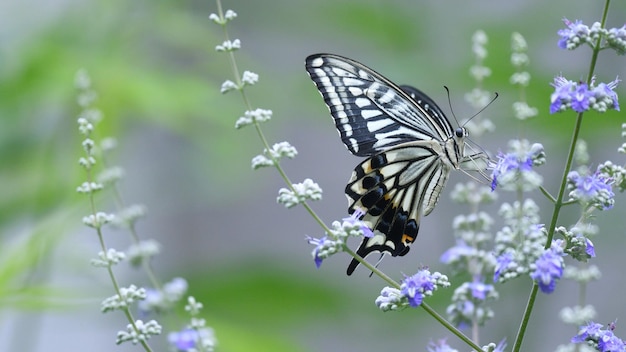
496 95
476 114
450 105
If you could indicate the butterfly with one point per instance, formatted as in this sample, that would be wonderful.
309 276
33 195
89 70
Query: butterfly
410 146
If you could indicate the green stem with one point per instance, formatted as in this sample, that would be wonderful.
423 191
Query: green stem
450 327
559 200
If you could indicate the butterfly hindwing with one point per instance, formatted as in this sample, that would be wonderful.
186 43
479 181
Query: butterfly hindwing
395 189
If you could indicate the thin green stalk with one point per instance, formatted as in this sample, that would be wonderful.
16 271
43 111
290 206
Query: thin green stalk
559 200
450 327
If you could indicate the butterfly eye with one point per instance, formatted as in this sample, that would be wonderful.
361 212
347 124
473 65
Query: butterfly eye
460 132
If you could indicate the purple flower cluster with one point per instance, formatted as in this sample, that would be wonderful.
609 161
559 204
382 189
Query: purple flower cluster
581 97
505 262
415 288
549 268
603 339
514 170
336 240
577 34
594 190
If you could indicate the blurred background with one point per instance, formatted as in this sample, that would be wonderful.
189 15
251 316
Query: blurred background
154 67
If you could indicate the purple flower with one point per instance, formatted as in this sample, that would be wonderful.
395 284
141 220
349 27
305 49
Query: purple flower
608 342
355 219
501 346
324 248
594 189
580 98
562 94
589 331
548 269
604 92
605 339
480 290
508 163
575 34
578 95
502 264
414 287
183 340
589 248
457 252
616 39
440 346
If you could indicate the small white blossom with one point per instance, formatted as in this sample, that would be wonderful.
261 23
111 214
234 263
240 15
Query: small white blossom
520 79
227 86
89 187
582 275
88 145
142 332
303 191
391 299
143 250
479 72
98 220
577 315
229 45
82 80
193 306
257 115
127 296
110 258
84 126
108 144
616 38
130 215
159 300
519 60
260 161
249 78
197 323
91 115
283 149
175 289
230 15
523 111
111 175
478 98
479 40
518 43
87 162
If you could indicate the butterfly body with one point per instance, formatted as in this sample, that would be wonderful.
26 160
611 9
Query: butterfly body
410 146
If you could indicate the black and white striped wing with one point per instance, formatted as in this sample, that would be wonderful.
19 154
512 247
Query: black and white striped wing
372 113
395 189
410 144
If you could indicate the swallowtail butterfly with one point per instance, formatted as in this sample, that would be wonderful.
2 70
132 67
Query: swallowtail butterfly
410 146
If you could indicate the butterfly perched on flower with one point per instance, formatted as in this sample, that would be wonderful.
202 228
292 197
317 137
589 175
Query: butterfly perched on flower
410 146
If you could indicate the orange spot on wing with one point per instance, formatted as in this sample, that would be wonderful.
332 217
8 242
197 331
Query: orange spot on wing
406 239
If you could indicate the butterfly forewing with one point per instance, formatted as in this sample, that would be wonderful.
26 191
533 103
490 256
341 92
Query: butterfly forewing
410 143
371 113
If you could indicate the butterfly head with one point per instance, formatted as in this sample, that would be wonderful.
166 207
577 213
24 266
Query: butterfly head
460 132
